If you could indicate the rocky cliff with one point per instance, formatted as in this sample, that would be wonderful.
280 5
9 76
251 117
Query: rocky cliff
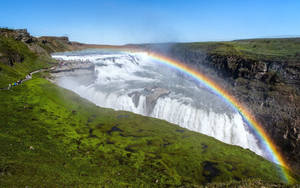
271 90
269 85
41 45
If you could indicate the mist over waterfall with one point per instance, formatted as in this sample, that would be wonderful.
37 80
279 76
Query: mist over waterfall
134 82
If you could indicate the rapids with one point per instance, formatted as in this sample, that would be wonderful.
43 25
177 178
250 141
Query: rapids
134 82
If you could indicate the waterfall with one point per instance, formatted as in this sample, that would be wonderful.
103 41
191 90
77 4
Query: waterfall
134 83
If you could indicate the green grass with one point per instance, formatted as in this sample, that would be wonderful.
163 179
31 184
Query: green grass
253 183
53 45
11 48
52 137
258 49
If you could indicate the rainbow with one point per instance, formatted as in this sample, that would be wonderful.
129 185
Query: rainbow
260 133
275 155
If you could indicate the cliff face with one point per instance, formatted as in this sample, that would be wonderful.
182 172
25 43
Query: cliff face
268 86
272 91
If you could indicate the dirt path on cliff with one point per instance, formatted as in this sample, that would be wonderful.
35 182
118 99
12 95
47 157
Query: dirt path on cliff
27 77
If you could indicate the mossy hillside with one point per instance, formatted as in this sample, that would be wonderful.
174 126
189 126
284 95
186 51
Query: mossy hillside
54 44
51 137
253 183
17 60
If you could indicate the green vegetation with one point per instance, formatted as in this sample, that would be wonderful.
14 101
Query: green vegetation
253 183
257 49
17 60
50 136
54 44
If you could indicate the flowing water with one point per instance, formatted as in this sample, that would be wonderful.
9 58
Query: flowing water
134 82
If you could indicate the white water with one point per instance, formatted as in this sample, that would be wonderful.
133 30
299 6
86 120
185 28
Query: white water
133 82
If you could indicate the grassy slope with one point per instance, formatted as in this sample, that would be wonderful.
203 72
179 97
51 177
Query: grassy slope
10 74
54 44
77 143
50 136
257 49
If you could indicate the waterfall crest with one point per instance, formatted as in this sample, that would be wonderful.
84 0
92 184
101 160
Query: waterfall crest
133 82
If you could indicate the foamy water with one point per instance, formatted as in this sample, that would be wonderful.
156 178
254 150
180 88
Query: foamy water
133 82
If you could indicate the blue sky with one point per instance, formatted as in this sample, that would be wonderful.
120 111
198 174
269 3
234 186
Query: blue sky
139 21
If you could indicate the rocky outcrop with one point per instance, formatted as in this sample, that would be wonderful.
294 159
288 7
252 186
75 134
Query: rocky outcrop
18 34
8 54
71 66
35 44
152 95
269 72
81 71
272 92
44 45
135 97
11 58
85 70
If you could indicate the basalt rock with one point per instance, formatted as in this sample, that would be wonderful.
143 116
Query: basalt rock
270 89
18 34
83 70
152 95
135 97
11 56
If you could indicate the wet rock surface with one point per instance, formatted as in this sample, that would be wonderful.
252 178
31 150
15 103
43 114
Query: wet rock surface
80 69
152 95
69 66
